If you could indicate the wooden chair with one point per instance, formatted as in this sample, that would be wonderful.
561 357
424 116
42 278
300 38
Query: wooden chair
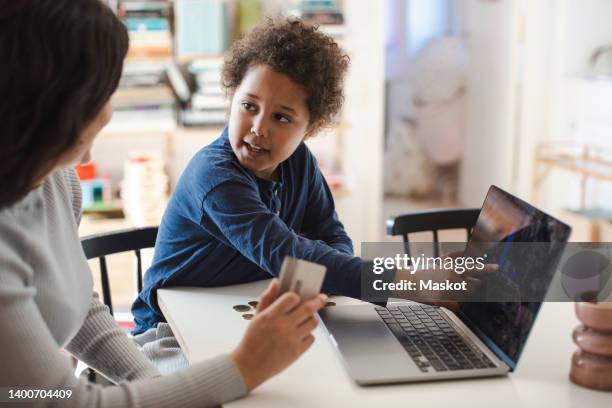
434 221
101 245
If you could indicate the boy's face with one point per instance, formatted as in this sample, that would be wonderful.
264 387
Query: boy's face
268 120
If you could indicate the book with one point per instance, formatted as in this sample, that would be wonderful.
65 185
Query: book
201 27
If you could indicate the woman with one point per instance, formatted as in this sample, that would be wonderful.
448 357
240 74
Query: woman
61 62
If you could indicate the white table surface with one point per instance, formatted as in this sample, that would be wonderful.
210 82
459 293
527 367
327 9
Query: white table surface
206 325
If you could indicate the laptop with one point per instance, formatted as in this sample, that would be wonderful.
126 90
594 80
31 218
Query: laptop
409 342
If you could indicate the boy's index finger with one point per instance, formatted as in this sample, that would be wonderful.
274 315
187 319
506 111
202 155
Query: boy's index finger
454 254
487 270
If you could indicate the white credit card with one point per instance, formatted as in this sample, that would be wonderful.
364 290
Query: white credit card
302 277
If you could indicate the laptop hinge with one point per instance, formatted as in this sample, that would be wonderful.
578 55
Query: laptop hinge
494 348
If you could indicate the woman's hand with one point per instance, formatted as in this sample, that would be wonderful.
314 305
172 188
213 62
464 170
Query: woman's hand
277 335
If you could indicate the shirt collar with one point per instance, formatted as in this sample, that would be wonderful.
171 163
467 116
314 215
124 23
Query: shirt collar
270 184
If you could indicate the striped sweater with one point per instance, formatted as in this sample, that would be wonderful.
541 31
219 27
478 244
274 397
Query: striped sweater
47 303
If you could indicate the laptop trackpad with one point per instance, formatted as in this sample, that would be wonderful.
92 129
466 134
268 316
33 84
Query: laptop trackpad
371 351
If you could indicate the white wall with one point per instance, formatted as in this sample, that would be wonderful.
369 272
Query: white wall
362 143
491 31
540 24
587 25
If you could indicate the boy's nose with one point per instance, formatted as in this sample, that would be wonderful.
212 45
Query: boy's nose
258 128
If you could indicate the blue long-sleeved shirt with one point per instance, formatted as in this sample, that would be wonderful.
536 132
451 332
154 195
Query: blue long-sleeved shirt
223 225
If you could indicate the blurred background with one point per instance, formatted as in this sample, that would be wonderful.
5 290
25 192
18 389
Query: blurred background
443 99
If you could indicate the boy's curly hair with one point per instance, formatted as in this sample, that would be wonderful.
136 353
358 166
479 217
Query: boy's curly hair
298 50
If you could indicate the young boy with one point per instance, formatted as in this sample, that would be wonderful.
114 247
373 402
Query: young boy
256 195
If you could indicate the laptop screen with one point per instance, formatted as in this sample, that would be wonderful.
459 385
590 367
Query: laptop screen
504 219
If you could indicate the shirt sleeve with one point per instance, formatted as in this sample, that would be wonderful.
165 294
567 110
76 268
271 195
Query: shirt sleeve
234 214
102 344
31 358
320 219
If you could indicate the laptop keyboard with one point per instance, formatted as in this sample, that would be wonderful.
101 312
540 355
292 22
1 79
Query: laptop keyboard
430 340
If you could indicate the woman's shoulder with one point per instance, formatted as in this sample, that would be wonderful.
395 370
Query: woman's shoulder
57 196
64 187
20 224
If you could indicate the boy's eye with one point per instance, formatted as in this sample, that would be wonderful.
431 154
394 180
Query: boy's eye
281 118
248 106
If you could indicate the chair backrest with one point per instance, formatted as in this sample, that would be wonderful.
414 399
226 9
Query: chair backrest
101 245
432 220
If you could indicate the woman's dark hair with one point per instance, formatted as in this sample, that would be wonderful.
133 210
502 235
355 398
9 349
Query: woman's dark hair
300 51
61 60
